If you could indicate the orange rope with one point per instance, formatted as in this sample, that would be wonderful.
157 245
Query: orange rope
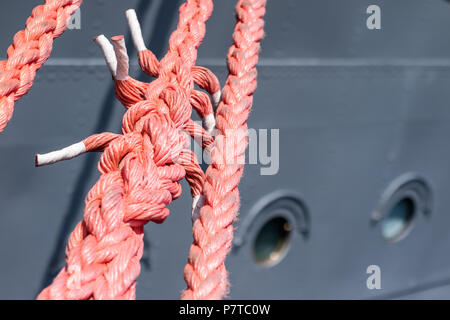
205 273
140 168
30 49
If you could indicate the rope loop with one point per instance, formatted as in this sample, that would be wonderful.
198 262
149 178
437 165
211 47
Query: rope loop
142 167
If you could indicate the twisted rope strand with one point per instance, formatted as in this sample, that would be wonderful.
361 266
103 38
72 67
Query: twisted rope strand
141 168
205 273
140 173
30 49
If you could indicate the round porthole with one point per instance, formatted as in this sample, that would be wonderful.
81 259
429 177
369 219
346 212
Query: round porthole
404 200
268 230
398 220
271 241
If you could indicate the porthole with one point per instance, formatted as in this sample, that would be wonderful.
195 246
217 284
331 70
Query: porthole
405 199
398 221
272 241
268 230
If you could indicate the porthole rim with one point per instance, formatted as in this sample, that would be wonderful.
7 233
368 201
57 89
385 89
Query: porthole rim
300 223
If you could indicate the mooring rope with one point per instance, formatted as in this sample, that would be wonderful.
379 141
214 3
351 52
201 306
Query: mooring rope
142 167
30 50
205 273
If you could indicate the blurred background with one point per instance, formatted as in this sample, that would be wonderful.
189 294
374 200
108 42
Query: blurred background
363 118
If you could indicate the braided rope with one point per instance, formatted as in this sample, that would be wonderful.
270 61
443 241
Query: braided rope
205 272
30 49
140 170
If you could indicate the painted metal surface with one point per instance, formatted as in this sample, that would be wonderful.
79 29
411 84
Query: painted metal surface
356 110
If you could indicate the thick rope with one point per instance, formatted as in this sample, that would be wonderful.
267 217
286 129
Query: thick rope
205 273
30 49
140 168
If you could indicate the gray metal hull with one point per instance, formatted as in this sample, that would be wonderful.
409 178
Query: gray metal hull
356 109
